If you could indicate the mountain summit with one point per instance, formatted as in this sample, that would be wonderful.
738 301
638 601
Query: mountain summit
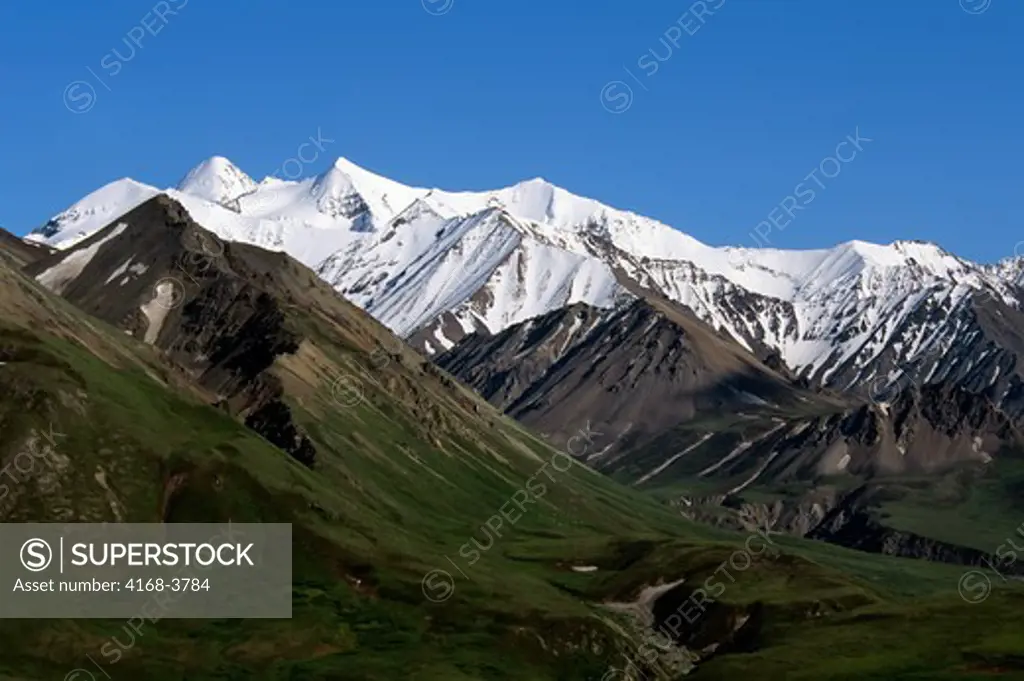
218 180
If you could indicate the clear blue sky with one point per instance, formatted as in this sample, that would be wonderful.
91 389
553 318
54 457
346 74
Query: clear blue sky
494 91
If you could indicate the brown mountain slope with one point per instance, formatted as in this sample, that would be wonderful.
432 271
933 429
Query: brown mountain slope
921 432
207 313
634 373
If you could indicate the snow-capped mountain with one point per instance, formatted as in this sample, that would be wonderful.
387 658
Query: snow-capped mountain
434 265
218 180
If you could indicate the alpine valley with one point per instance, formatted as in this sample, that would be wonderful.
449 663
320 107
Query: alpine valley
386 366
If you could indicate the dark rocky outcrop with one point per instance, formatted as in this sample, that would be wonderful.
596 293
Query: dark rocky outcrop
273 420
707 626
853 525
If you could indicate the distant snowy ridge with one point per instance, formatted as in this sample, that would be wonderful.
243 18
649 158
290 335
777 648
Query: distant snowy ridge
438 264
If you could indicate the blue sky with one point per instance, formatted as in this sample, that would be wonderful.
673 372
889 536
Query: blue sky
749 98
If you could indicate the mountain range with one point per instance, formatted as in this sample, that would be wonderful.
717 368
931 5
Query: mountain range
563 311
436 265
200 371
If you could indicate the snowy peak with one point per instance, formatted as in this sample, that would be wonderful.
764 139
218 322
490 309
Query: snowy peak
538 200
531 200
336 195
418 212
93 213
366 178
350 192
904 264
926 255
218 180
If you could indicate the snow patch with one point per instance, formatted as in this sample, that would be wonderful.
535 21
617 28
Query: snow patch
119 271
156 310
672 459
71 266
